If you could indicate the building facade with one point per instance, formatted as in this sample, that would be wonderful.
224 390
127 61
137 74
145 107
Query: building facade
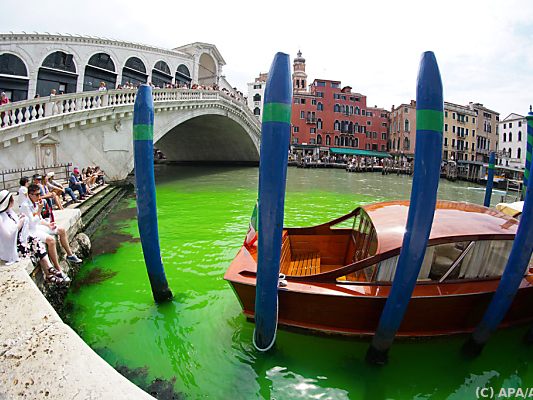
327 114
487 135
36 64
256 94
402 130
459 133
513 141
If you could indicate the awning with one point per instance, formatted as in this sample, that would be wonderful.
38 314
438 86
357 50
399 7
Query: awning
356 152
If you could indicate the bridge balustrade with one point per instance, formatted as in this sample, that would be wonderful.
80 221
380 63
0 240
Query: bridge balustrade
28 111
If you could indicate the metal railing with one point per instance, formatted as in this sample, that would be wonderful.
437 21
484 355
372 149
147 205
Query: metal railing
10 177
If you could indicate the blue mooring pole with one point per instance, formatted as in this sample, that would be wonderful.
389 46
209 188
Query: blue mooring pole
275 136
510 280
143 150
429 124
490 179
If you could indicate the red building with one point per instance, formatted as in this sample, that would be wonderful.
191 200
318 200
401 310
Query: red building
328 115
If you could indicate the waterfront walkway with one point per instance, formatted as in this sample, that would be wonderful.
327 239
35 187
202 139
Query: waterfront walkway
42 357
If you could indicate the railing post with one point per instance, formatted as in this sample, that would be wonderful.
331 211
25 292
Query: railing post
105 99
49 108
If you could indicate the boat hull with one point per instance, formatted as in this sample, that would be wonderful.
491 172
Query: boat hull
428 313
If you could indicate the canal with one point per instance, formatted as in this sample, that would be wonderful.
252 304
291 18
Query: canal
200 345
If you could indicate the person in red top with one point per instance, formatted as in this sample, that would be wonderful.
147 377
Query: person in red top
3 99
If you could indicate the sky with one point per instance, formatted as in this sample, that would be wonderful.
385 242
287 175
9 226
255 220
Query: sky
484 48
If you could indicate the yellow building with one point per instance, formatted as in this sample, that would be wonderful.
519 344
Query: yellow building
459 133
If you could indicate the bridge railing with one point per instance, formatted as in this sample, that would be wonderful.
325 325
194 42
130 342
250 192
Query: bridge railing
28 111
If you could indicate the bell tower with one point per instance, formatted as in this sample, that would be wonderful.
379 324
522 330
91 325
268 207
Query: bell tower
299 77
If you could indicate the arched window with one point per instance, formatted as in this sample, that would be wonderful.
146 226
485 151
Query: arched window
100 68
356 142
182 74
58 72
318 139
510 136
328 140
320 107
510 154
505 136
351 110
519 136
161 74
350 127
504 152
319 124
406 125
14 79
357 111
356 128
406 144
336 108
336 126
134 72
257 97
336 140
519 153
257 111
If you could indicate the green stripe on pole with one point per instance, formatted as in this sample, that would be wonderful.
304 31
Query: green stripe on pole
277 112
429 120
143 132
491 166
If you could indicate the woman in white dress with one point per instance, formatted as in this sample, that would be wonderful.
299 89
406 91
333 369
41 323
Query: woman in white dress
16 242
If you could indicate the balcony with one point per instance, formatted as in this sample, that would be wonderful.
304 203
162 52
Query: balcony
310 120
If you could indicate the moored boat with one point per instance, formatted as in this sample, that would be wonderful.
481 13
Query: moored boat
337 278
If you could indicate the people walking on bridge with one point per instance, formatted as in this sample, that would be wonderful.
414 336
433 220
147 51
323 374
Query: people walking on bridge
46 231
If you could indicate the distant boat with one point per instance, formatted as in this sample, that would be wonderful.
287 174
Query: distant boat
337 279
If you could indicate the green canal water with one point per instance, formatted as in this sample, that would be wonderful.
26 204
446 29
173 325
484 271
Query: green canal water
200 344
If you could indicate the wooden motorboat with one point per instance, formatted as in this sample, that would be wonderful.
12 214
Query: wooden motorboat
337 275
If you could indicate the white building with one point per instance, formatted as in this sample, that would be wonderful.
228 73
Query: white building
256 94
36 63
513 141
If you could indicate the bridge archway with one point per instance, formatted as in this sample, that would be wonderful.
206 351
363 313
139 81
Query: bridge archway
207 71
209 138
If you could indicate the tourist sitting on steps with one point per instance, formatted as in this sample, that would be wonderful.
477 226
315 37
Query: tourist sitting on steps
58 188
44 230
75 183
23 189
15 241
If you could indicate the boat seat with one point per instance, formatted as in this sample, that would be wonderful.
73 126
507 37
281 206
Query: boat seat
298 264
305 264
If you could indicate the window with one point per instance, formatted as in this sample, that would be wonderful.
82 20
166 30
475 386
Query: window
328 140
383 136
519 136
295 140
257 97
302 101
406 110
453 115
453 142
474 120
406 125
295 129
321 84
344 97
446 114
320 107
445 141
319 94
257 86
336 108
362 112
319 124
336 126
368 123
356 142
473 133
510 136
335 85
357 111
336 140
466 131
453 129
318 139
374 135
312 130
510 125
445 127
519 153
312 141
302 114
504 136
296 100
313 102
257 111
